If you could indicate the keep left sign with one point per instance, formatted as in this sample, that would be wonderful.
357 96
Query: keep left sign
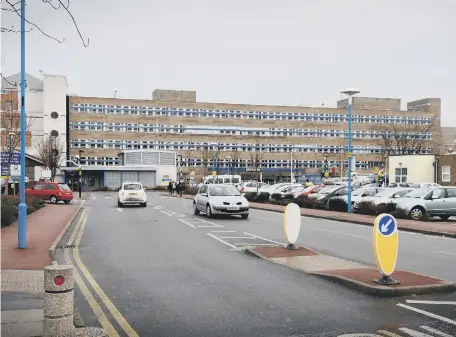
386 243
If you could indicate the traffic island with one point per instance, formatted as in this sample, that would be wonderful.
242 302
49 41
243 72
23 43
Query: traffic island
352 274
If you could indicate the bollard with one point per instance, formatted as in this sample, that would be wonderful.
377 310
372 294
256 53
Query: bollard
58 301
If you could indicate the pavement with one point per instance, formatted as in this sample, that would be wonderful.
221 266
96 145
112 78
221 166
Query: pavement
22 269
162 271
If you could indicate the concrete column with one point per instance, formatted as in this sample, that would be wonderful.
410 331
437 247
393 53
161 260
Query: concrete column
58 301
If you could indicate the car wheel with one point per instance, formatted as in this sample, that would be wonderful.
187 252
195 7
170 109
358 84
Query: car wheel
66 201
119 204
195 209
209 211
244 216
53 199
144 204
417 213
444 217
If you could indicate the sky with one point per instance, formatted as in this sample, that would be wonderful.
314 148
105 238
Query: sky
283 52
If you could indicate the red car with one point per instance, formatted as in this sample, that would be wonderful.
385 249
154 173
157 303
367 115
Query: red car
54 192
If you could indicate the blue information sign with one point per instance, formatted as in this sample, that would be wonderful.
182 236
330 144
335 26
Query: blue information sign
15 160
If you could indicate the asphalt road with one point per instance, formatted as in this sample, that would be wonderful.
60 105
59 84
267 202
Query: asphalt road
168 275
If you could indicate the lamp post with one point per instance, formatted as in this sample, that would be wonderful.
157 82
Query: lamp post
22 209
180 166
291 166
80 174
350 93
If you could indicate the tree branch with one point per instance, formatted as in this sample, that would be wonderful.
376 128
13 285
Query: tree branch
31 23
74 23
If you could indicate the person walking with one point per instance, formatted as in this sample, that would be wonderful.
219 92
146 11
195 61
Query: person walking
177 188
170 187
173 188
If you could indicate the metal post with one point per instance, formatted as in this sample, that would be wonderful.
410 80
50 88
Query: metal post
22 223
350 158
291 167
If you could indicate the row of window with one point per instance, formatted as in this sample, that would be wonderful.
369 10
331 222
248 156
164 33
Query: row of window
237 114
241 163
217 130
193 146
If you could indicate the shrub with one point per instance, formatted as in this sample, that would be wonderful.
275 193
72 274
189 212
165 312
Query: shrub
283 202
10 204
305 202
337 204
160 188
262 197
250 196
366 207
190 190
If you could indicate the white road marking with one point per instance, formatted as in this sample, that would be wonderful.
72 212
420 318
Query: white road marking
158 207
342 233
185 222
435 331
171 213
108 197
245 244
431 302
441 252
414 333
120 210
222 231
259 237
222 241
257 217
426 313
237 237
388 333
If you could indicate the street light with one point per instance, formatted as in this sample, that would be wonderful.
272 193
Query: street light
350 93
22 209
80 173
180 165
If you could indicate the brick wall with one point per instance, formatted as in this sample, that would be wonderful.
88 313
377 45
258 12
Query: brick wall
447 160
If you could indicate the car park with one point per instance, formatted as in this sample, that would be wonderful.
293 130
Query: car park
52 191
131 193
284 192
436 201
360 193
384 197
250 186
216 200
327 193
307 190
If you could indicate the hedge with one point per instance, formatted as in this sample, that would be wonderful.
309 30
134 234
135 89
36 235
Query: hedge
10 205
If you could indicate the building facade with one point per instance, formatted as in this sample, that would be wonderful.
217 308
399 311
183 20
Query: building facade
45 110
238 138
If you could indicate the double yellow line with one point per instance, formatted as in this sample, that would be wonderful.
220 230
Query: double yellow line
75 239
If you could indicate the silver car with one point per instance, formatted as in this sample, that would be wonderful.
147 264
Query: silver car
220 199
437 201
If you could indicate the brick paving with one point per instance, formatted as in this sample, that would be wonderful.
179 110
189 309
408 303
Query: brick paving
43 227
24 281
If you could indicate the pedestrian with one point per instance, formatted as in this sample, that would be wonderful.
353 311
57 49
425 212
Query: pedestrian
174 187
181 188
170 187
177 188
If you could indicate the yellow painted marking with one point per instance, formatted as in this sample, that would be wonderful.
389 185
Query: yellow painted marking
87 294
107 302
76 228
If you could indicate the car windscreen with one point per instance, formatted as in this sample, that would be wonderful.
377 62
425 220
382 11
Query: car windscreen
235 180
132 187
223 190
329 189
64 187
419 193
386 193
359 191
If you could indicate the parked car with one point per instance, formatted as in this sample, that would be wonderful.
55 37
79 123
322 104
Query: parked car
360 193
250 186
397 185
436 201
307 190
424 185
215 199
132 193
327 193
52 191
384 197
284 192
267 190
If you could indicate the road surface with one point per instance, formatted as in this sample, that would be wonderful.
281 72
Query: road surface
161 271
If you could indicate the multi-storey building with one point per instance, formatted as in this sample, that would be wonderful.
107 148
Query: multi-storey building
240 137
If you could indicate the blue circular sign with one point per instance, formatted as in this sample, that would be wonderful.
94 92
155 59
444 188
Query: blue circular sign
387 225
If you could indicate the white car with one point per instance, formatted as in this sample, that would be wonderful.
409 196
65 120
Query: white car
250 186
384 197
132 193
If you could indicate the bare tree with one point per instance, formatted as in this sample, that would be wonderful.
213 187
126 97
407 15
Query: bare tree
256 156
205 158
235 155
50 152
12 7
404 139
10 121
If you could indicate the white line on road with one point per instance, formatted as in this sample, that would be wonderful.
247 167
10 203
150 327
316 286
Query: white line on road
257 217
427 313
119 210
158 207
237 237
171 213
446 253
342 233
185 222
388 333
245 244
431 302
222 241
222 231
259 237
434 331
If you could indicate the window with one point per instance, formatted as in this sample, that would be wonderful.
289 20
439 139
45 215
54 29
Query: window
401 175
451 192
54 115
50 187
39 187
9 105
54 133
446 177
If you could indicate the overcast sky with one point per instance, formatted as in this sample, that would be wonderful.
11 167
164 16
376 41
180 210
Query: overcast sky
286 52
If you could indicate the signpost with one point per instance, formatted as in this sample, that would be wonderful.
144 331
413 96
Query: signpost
292 224
386 244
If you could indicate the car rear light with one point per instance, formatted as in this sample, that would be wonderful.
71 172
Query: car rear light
242 189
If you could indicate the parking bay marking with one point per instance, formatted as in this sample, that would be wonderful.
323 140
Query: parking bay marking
427 313
199 223
171 213
446 253
431 302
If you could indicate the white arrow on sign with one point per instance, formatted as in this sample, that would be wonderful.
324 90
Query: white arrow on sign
386 225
